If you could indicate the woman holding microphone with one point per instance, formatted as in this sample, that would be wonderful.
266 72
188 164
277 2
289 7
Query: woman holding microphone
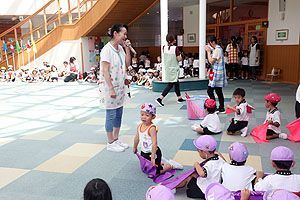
114 59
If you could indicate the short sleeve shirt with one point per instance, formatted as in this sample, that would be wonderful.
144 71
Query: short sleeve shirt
212 123
277 181
243 176
275 117
242 115
213 173
217 54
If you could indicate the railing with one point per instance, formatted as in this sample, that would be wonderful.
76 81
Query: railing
43 21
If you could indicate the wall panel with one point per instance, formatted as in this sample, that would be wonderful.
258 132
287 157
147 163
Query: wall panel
285 57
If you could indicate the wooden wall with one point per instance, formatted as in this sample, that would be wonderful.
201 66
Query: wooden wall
287 58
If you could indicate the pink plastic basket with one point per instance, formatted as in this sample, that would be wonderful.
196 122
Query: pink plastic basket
195 107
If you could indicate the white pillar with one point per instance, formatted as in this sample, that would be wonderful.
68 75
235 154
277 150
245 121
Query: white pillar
202 38
163 30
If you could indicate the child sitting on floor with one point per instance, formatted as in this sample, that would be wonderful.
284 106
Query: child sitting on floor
244 175
209 173
97 189
147 137
211 123
282 159
241 117
273 117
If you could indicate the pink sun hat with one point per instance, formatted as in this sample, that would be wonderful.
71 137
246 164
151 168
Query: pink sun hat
280 195
282 153
273 98
217 191
210 103
159 192
206 143
238 152
149 108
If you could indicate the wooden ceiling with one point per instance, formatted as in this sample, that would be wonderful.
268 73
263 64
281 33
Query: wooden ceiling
124 12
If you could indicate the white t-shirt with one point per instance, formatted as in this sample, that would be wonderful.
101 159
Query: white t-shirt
217 54
277 181
147 64
237 177
190 61
213 173
243 115
151 79
212 122
226 59
185 63
298 94
181 72
196 63
275 117
54 74
245 61
142 70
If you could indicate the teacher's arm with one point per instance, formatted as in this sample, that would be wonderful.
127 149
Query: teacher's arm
257 55
128 55
105 68
179 58
209 57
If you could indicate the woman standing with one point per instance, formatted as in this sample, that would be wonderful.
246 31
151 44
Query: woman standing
112 87
217 76
254 49
171 57
233 59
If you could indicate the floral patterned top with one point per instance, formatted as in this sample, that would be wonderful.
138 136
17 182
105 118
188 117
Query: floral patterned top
117 72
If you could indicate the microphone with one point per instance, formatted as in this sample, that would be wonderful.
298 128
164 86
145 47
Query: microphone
131 48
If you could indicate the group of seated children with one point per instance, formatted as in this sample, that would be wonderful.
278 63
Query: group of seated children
144 75
23 74
44 73
239 124
189 66
215 169
213 178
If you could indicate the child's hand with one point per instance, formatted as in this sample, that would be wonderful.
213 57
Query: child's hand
135 150
153 162
228 106
207 48
245 194
270 122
